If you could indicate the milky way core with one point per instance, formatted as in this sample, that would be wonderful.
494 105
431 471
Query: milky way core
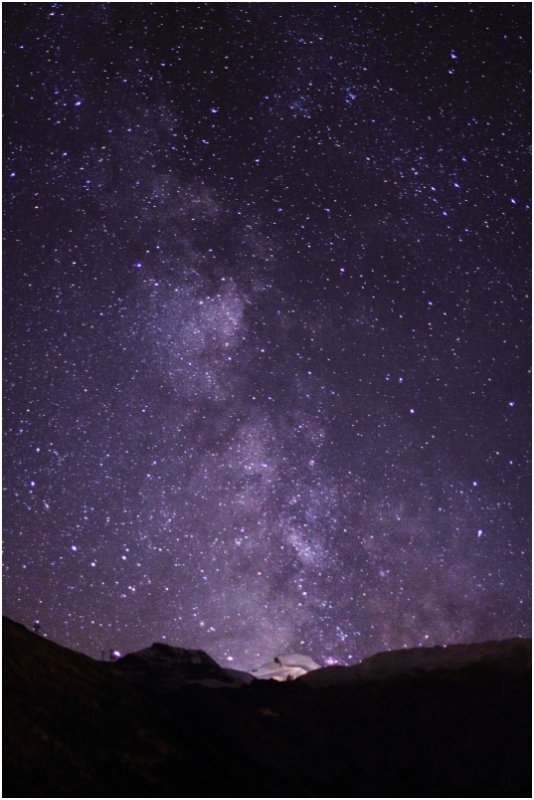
266 320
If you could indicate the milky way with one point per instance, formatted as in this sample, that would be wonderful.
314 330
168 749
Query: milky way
266 320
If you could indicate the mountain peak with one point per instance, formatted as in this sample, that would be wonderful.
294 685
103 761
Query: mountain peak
164 668
286 667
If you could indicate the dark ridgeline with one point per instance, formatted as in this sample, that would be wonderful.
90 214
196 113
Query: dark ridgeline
427 724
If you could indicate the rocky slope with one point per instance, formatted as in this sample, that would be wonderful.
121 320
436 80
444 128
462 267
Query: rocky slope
74 727
165 668
509 655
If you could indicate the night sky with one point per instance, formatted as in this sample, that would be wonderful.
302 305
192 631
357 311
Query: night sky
267 325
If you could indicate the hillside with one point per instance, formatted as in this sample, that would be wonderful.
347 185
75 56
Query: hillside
74 727
507 656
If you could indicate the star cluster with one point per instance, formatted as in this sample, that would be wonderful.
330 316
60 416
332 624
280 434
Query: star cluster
266 281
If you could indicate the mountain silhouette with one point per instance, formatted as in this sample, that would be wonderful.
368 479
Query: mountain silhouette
168 722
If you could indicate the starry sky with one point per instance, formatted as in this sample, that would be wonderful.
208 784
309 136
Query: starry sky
267 325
